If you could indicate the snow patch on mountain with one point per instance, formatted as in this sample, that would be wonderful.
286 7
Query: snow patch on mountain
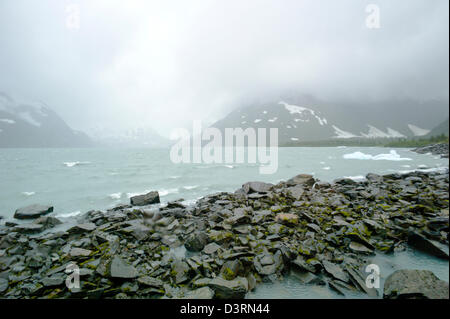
395 134
375 133
295 109
342 134
27 117
417 131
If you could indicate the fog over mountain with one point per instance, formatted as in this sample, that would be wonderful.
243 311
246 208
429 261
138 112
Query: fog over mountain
34 124
122 65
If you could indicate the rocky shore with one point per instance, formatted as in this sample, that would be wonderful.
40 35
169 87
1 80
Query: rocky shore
227 243
435 149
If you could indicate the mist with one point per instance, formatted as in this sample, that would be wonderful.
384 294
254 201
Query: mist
117 64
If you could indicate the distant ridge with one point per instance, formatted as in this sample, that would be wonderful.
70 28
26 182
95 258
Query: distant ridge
35 125
307 120
441 129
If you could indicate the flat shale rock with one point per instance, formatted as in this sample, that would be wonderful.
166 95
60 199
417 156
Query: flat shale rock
147 199
415 284
33 211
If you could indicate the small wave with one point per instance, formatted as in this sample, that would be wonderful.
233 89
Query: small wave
392 156
162 192
67 215
426 170
327 168
434 170
129 195
356 178
72 164
229 166
174 177
28 193
190 187
115 195
190 202
165 192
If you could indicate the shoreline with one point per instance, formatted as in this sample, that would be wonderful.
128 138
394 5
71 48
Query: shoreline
324 233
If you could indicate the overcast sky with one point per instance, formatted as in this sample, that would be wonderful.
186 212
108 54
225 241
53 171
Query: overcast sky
163 63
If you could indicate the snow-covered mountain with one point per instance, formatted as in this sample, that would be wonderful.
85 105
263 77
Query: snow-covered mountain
35 125
306 120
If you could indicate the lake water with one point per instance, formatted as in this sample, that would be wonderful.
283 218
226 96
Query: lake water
77 180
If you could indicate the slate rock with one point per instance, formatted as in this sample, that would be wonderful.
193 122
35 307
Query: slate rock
33 211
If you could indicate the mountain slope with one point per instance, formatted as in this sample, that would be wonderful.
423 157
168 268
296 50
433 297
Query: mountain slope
35 125
441 129
307 119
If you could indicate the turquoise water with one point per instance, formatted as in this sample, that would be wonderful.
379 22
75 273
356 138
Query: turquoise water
78 180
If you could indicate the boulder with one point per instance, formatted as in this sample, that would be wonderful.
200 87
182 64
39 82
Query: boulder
29 228
79 252
150 281
421 243
147 199
256 187
176 204
196 241
180 271
344 181
299 264
231 269
229 289
82 228
358 280
48 221
359 248
286 218
240 216
3 285
267 264
121 269
302 179
211 248
201 293
415 284
53 281
296 192
335 271
32 211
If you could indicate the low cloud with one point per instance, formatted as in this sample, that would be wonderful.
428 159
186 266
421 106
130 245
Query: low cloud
165 63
